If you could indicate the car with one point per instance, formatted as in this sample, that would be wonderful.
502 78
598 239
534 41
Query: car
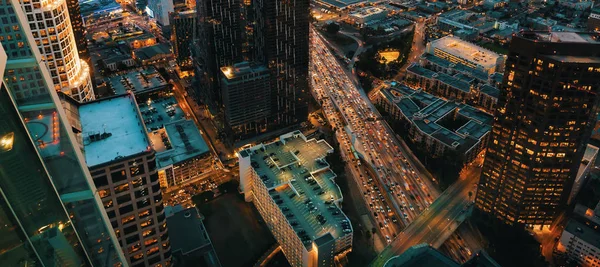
389 240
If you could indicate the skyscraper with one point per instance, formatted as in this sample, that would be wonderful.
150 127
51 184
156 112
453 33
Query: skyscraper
246 90
78 28
52 29
42 114
184 31
547 106
218 45
281 36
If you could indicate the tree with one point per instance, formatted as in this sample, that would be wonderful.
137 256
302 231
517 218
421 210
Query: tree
332 28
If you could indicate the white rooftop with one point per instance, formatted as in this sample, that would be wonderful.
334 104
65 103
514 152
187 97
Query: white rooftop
119 117
466 50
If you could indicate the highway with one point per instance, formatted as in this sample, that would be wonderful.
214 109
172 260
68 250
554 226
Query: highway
441 219
398 189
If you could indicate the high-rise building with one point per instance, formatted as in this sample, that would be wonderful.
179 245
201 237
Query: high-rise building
48 162
50 25
218 44
35 227
124 169
547 106
159 10
246 90
78 28
281 37
183 32
293 189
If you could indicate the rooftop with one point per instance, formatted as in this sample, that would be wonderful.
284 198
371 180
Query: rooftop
185 140
490 90
149 52
187 232
241 69
562 37
300 182
454 82
112 129
137 81
454 124
367 11
583 232
466 50
160 111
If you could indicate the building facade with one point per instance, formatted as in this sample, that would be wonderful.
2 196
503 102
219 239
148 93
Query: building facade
78 28
159 10
246 90
547 106
183 33
218 44
293 189
580 239
281 37
124 169
53 32
56 147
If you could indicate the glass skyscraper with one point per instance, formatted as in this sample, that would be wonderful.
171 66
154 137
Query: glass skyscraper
47 191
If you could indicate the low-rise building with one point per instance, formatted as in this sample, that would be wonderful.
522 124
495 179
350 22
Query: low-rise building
580 239
123 167
364 16
441 125
154 54
456 50
144 82
190 242
293 188
182 155
593 22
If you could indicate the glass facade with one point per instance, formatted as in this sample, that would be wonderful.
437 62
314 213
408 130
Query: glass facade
34 226
53 137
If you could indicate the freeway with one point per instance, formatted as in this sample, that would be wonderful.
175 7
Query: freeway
400 192
441 219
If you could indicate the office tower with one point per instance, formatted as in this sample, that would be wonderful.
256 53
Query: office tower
53 32
281 37
78 28
218 45
246 90
159 10
293 189
547 106
44 117
183 33
123 166
34 225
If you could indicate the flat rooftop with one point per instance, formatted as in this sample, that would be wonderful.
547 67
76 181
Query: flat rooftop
241 69
562 37
367 11
431 115
158 112
466 50
300 182
187 231
112 129
137 81
583 232
186 142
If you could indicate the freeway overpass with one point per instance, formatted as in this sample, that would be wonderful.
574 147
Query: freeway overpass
437 223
